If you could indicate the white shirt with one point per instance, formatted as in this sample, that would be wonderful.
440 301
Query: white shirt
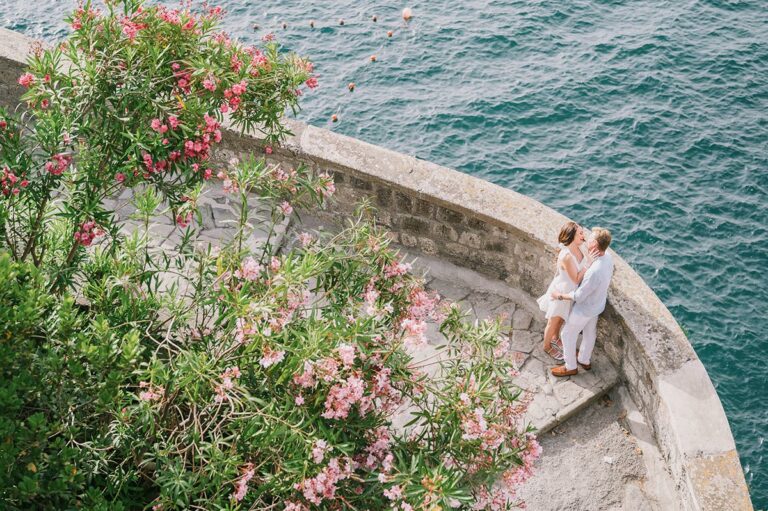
590 297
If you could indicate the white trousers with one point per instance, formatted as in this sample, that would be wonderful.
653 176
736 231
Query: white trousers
575 325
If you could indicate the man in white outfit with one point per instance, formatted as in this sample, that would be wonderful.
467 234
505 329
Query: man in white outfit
589 301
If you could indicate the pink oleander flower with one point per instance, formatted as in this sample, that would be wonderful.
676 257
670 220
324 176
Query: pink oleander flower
173 121
87 233
44 104
286 208
183 220
307 378
275 264
243 329
210 83
319 450
249 270
396 269
305 239
342 397
268 37
58 163
271 357
312 82
239 88
323 486
241 486
327 188
27 79
394 493
346 354
414 332
268 149
299 400
131 28
152 392
120 177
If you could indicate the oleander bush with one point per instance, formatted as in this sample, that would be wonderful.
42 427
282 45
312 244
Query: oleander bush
240 376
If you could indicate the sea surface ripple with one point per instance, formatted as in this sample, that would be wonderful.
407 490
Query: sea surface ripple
644 116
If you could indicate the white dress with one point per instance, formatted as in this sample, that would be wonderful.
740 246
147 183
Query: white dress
562 283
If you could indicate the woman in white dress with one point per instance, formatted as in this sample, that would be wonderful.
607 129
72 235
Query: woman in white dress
572 264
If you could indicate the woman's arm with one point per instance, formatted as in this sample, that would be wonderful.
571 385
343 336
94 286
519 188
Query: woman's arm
569 265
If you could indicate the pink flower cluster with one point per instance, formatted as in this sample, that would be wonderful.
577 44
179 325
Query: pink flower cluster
324 484
327 187
232 94
209 83
58 163
241 486
87 233
183 78
227 183
8 182
529 455
415 332
243 329
421 307
343 396
249 270
172 16
158 125
131 28
27 80
271 357
378 451
226 384
183 220
83 15
152 392
305 239
319 450
475 426
200 148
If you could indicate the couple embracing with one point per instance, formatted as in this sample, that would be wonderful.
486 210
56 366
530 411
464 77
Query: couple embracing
576 297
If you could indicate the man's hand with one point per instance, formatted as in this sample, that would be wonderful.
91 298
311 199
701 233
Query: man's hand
555 295
594 253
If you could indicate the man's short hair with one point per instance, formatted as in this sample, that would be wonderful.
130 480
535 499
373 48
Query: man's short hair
603 238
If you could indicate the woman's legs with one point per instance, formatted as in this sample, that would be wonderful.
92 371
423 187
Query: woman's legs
552 331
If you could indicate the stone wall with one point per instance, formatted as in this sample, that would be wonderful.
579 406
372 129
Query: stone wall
511 237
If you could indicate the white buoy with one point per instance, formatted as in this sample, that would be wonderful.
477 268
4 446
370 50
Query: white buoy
407 13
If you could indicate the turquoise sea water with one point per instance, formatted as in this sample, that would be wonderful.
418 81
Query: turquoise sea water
645 116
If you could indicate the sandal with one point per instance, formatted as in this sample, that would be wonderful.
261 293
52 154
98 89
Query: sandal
555 352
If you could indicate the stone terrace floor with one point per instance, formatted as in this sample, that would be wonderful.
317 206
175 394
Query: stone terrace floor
554 399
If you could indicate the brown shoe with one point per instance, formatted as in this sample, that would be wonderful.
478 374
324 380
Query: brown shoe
563 371
586 367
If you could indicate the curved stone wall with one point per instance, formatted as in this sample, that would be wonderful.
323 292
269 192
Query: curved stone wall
511 237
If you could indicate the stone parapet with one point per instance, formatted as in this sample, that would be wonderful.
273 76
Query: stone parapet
511 237
508 236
